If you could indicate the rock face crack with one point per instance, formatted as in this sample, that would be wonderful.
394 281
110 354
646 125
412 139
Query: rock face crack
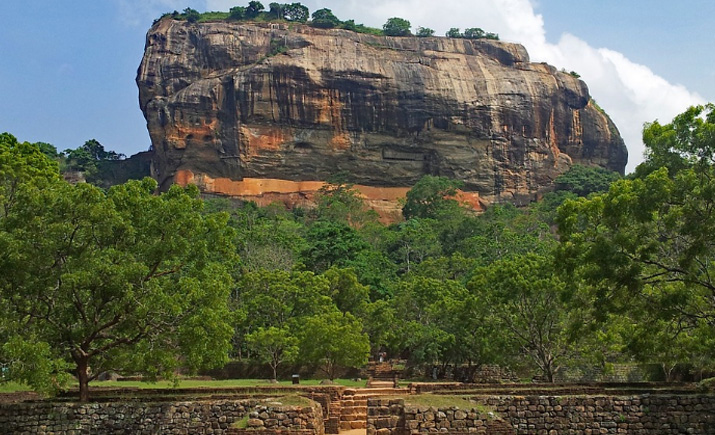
239 101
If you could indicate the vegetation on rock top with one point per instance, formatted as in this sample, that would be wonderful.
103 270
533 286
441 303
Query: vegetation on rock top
321 18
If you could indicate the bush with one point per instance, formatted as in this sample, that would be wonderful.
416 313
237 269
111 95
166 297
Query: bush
324 19
454 33
397 27
192 15
424 32
237 13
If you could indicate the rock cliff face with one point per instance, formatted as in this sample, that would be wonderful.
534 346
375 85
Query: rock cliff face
271 111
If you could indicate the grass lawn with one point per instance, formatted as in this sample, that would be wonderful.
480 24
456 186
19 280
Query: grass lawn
446 401
11 387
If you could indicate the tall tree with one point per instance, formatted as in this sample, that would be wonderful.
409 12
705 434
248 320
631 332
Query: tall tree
645 248
334 340
324 19
296 12
524 296
22 165
274 346
254 8
397 27
125 281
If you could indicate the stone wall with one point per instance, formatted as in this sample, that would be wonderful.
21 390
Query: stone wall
271 419
645 414
141 417
393 417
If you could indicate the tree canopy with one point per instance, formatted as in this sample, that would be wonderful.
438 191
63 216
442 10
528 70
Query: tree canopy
123 280
397 27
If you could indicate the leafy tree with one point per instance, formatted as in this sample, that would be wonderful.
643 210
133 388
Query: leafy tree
646 245
415 241
524 297
124 281
584 180
276 10
296 12
347 292
455 267
397 27
237 13
686 141
332 244
493 36
339 201
21 165
644 248
334 340
379 323
424 32
454 33
278 298
192 15
324 19
503 231
274 346
425 307
474 33
89 156
48 149
432 197
254 9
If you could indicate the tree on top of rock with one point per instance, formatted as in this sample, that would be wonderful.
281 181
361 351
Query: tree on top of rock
254 8
324 19
397 27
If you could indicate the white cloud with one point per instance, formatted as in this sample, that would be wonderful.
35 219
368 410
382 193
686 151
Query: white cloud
632 94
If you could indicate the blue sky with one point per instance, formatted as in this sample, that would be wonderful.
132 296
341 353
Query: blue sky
68 67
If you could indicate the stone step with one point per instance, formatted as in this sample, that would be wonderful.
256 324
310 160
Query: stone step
371 392
355 410
356 417
358 401
348 425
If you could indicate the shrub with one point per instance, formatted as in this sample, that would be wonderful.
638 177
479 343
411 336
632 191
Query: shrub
397 27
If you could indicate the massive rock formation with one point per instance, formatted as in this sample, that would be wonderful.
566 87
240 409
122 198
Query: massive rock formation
271 111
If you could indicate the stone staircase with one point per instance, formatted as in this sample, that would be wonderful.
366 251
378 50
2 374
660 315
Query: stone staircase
353 405
382 375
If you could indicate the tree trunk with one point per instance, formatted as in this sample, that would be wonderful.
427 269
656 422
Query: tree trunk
83 378
274 366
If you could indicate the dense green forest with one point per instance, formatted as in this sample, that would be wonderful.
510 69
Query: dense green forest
602 270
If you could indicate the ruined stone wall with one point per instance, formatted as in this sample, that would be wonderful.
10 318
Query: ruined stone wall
140 417
645 414
393 417
267 419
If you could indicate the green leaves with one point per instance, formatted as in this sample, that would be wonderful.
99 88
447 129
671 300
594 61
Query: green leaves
120 280
334 339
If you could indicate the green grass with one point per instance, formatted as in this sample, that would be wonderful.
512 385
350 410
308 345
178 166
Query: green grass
13 387
291 400
228 383
445 401
241 424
